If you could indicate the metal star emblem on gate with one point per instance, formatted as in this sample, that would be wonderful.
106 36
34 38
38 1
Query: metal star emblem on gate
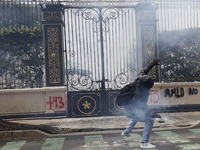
86 105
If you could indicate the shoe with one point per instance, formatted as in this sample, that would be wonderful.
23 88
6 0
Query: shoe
125 134
147 145
155 115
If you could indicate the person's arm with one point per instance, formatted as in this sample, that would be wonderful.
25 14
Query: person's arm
148 67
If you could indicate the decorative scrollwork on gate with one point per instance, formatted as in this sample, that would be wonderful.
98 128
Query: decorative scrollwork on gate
53 55
90 14
77 11
79 82
125 78
149 48
87 13
121 79
112 14
52 15
94 15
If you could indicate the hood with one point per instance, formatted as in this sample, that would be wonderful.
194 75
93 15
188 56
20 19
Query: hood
146 81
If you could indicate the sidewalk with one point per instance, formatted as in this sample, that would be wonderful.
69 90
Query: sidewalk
184 119
173 120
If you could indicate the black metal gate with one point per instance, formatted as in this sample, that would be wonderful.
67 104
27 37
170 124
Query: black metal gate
101 57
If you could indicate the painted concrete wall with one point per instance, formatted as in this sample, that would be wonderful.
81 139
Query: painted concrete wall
32 100
52 99
175 93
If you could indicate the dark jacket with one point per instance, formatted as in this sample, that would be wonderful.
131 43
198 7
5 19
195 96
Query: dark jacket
136 94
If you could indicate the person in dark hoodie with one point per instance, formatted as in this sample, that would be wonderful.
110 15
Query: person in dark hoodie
134 98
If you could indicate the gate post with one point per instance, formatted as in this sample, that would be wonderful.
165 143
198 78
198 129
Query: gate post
52 20
147 37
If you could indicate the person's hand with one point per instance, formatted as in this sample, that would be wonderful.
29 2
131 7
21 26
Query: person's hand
156 62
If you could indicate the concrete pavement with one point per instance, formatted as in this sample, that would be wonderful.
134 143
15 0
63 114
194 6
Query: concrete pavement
172 120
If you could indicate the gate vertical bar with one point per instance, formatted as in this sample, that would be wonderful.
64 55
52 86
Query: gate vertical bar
102 53
147 38
53 44
104 102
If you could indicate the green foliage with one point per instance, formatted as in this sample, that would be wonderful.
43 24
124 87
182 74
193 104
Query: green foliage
179 53
22 55
19 13
21 47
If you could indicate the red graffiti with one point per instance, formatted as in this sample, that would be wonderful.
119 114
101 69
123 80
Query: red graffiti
55 100
61 102
50 102
154 97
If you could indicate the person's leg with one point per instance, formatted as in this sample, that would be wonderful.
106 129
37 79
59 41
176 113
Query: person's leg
148 120
147 129
130 114
130 126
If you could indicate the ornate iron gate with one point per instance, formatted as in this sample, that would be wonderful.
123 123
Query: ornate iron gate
100 49
101 57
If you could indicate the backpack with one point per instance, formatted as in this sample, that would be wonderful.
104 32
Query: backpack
126 93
